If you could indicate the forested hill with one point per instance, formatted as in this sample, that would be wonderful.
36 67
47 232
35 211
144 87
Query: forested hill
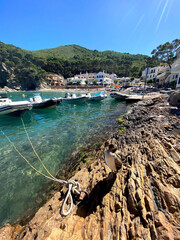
81 59
65 52
19 69
27 69
72 59
74 51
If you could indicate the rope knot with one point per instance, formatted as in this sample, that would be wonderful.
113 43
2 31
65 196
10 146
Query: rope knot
73 187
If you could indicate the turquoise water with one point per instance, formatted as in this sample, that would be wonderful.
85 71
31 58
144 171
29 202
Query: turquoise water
56 134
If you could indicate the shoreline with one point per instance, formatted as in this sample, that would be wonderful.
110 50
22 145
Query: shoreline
143 143
55 90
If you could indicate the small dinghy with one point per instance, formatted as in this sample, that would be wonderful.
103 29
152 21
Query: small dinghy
98 96
119 96
12 108
72 98
38 102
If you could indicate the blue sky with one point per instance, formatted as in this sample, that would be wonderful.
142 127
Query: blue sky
134 26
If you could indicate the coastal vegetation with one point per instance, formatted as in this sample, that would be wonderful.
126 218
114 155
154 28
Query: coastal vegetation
19 68
121 124
166 52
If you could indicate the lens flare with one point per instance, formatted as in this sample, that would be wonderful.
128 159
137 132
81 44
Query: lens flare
162 14
139 22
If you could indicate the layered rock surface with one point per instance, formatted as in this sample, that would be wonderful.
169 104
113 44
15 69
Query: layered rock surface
142 201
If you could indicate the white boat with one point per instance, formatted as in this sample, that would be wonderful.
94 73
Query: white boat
98 96
13 108
72 98
119 96
38 102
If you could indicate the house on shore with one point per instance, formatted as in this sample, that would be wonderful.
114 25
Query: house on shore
55 80
125 81
103 78
175 68
78 79
164 74
100 78
150 73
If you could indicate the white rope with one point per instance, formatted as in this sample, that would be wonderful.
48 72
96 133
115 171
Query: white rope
73 186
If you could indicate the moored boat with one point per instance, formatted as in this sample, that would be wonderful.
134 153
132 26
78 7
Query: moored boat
98 96
38 102
119 96
72 98
7 106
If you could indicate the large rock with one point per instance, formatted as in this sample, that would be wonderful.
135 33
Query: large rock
174 99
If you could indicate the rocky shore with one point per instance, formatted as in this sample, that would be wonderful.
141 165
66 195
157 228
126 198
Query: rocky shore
142 201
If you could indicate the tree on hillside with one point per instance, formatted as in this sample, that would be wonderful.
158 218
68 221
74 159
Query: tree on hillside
166 52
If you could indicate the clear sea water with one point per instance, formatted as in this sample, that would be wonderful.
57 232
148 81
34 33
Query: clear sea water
56 134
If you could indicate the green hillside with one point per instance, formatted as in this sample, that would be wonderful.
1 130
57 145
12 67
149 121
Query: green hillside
72 59
20 69
64 52
24 69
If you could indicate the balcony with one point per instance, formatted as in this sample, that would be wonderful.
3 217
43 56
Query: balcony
162 75
176 66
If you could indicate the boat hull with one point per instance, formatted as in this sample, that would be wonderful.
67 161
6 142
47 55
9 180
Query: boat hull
119 96
75 100
50 103
14 110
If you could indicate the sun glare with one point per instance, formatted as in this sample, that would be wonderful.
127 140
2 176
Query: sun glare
162 14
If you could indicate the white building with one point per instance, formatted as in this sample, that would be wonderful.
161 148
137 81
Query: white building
175 69
124 80
173 77
163 74
150 73
113 76
81 78
90 77
103 78
76 80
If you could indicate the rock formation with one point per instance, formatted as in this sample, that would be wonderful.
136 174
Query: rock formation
142 201
174 98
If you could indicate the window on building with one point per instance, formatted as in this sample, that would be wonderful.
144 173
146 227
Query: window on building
177 76
179 81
